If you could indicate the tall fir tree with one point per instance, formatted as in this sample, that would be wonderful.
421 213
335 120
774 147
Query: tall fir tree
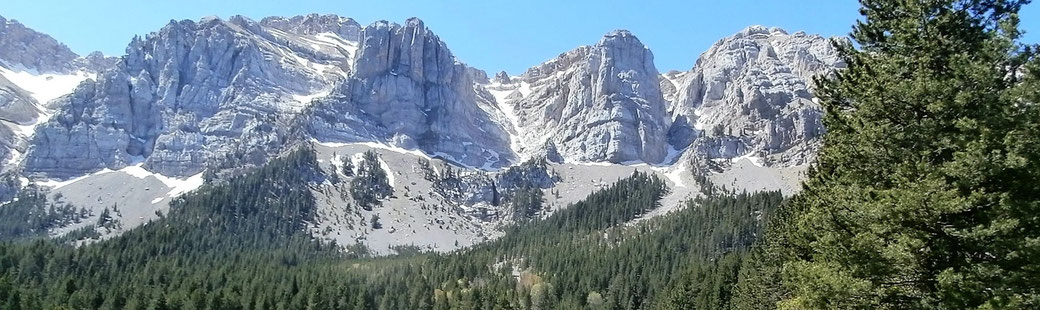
926 192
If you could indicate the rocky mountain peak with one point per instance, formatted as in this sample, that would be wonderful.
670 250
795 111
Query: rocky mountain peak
197 90
754 30
222 95
415 22
23 47
390 48
188 96
34 69
408 90
96 62
314 24
502 78
750 95
595 103
619 36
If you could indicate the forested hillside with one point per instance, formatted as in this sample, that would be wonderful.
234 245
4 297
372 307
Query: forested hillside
242 245
926 195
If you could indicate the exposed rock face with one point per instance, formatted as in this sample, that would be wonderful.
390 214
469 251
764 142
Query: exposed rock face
468 189
750 95
30 59
226 94
9 146
599 103
409 90
21 46
198 93
192 92
670 82
314 24
96 62
16 105
502 78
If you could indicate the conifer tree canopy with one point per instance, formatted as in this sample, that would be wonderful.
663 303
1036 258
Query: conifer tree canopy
925 194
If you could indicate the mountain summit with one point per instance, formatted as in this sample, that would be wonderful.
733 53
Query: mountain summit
750 95
211 98
598 103
409 91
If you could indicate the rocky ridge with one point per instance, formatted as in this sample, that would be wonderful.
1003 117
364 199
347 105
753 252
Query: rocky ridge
34 69
192 94
409 91
750 95
215 94
599 103
195 94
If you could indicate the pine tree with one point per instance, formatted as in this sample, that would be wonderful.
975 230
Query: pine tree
527 202
375 222
926 192
371 183
348 166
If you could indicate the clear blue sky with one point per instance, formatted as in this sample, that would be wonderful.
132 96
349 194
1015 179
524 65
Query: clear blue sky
490 35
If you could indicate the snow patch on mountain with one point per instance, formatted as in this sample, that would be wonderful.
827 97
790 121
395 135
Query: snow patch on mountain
374 145
389 173
674 174
750 157
304 101
44 87
193 94
177 186
334 40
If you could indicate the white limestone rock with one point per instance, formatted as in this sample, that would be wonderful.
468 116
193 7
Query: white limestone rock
408 90
599 103
189 94
750 94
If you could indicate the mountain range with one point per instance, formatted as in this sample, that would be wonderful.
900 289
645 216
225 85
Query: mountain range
199 101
